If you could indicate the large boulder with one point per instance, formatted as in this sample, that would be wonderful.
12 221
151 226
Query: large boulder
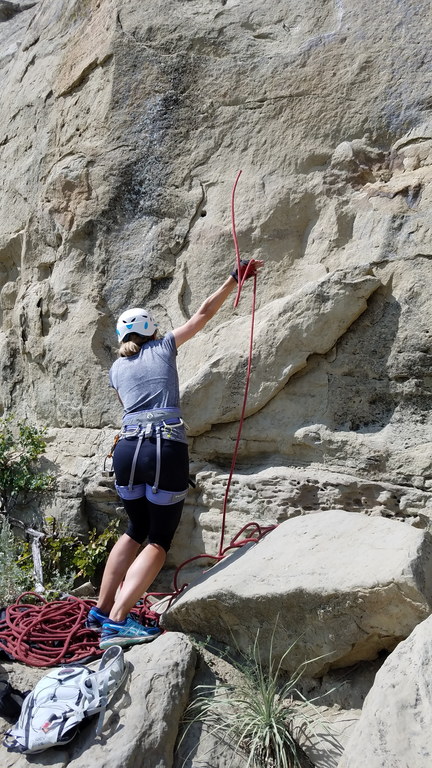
141 723
340 585
396 720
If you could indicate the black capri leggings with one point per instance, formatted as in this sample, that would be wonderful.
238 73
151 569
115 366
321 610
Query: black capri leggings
156 522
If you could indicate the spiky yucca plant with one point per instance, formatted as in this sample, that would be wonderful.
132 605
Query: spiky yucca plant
260 715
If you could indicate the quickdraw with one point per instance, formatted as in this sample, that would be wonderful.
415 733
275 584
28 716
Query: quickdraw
110 472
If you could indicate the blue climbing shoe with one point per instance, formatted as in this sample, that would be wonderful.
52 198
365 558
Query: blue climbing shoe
127 632
95 619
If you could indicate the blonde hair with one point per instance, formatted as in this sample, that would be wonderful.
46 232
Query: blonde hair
133 345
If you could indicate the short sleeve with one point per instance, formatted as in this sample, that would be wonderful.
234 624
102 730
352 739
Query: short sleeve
111 376
169 342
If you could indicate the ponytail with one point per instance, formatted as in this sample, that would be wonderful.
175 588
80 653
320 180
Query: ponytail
133 344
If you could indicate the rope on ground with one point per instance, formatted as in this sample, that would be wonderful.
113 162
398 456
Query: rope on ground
45 634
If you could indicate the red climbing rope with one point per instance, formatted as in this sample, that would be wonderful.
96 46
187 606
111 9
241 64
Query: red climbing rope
45 634
242 415
236 245
256 530
259 530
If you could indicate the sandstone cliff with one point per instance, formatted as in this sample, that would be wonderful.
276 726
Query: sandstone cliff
121 131
122 128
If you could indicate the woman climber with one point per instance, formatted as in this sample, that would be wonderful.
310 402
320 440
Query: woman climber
151 462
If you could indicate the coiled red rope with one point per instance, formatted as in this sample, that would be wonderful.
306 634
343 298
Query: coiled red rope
44 634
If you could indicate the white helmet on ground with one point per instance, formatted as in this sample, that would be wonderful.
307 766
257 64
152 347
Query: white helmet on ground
135 320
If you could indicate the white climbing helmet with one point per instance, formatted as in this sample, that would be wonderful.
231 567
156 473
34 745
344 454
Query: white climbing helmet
135 320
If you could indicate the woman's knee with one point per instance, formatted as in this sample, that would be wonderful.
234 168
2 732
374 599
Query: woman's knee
161 543
159 548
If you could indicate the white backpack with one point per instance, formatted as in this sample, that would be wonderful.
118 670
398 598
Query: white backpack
52 712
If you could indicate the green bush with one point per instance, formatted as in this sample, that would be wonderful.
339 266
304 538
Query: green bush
13 580
21 445
90 556
67 559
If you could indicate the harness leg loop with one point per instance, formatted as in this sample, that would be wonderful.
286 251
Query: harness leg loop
158 459
134 461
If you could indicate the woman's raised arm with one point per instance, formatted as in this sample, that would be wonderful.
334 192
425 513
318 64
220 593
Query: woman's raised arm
212 304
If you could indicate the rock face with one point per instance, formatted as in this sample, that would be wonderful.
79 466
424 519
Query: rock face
395 723
288 331
122 128
339 585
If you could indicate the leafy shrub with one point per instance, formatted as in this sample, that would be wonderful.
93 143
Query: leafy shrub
89 556
13 580
21 445
66 558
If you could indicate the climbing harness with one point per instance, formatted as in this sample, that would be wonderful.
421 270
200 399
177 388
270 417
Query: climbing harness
161 423
52 712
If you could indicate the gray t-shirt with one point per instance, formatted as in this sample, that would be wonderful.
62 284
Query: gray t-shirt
149 379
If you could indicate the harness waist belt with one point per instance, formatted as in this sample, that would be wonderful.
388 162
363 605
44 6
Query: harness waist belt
154 416
157 497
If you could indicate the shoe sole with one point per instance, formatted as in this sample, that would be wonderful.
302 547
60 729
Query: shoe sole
122 641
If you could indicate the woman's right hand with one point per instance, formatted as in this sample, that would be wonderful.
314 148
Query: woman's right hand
248 268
